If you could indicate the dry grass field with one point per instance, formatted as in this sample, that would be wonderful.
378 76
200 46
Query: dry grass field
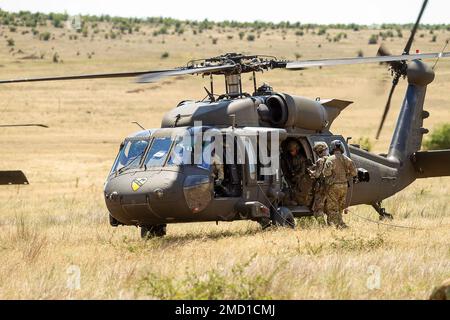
60 219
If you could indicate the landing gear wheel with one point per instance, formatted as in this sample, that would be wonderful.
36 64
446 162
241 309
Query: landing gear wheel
265 223
283 217
153 231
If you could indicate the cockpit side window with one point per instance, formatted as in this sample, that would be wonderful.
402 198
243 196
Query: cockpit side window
181 152
158 152
130 155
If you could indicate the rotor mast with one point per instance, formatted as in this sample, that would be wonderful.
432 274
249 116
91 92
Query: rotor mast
233 84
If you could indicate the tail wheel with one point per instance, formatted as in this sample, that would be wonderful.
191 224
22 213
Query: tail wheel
153 231
283 217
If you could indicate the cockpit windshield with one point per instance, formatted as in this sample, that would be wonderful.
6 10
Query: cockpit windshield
158 152
130 155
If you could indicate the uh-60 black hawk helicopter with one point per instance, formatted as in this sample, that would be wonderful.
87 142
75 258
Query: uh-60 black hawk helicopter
147 188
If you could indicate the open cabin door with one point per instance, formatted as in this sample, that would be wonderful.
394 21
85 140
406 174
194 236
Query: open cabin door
258 155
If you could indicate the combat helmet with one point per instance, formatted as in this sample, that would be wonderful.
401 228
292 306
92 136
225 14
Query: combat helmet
336 144
320 148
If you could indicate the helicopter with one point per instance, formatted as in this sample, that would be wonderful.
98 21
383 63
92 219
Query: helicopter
152 183
16 177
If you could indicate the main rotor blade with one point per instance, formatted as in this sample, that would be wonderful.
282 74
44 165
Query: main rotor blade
414 29
299 65
388 105
155 76
24 125
84 76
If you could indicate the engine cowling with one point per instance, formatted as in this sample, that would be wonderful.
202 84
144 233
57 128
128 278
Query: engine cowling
285 111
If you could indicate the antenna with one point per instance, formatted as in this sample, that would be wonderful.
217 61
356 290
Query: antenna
440 54
138 124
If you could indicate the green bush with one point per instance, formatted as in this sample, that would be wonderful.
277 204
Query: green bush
373 39
165 55
10 42
322 31
45 36
251 37
365 143
439 139
238 283
55 57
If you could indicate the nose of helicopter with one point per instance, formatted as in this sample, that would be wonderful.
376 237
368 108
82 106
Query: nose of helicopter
148 197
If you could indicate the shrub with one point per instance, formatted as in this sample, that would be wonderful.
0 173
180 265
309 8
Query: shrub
322 31
251 37
373 39
439 139
12 29
434 38
241 35
360 53
237 283
55 57
365 143
214 40
165 55
10 42
57 23
299 33
45 36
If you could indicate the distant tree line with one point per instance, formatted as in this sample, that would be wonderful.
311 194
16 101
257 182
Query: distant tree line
128 25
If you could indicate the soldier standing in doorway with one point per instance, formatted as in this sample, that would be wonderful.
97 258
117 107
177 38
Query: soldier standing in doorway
297 175
339 170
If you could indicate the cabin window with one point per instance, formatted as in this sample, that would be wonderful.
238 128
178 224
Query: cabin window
252 160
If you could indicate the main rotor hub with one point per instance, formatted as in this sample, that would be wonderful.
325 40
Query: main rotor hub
242 64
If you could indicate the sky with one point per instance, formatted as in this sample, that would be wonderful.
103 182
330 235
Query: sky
311 11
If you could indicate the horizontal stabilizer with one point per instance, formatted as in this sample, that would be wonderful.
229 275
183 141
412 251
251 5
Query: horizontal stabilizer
12 177
434 163
336 103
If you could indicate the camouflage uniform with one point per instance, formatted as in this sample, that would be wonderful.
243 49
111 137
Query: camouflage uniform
217 168
338 170
316 172
298 177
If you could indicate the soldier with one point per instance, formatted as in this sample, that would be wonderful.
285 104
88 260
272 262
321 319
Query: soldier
316 173
218 173
338 171
297 175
